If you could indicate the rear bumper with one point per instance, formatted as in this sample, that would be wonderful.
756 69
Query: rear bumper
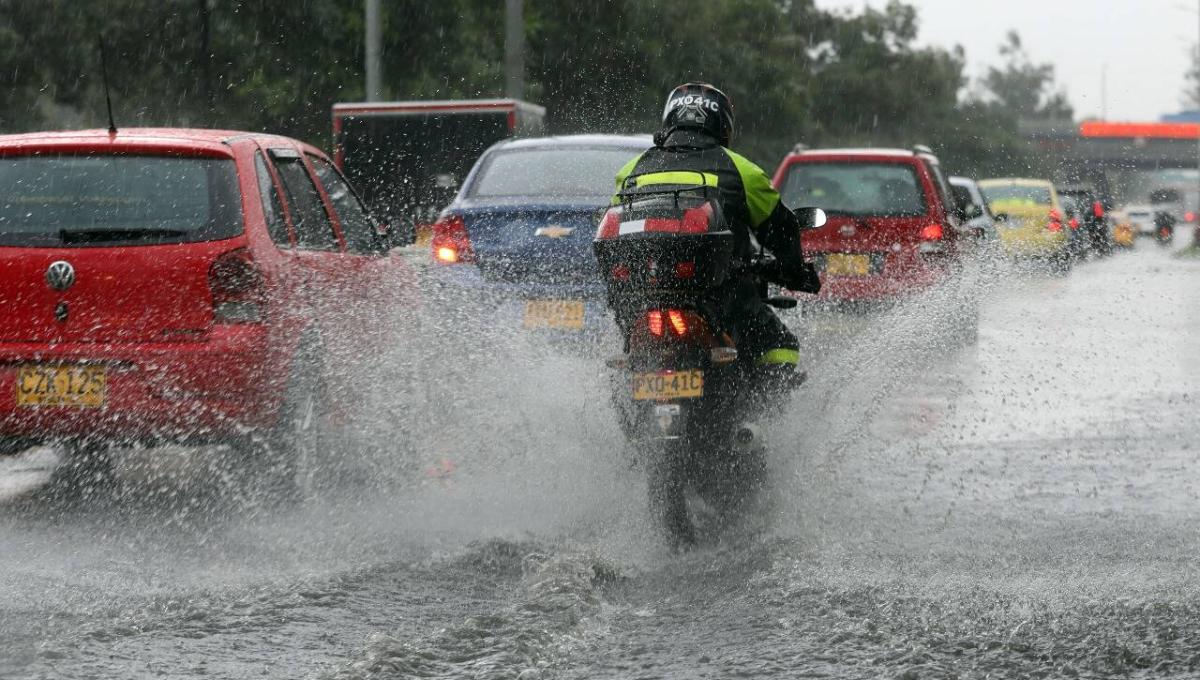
501 305
895 281
202 391
1037 242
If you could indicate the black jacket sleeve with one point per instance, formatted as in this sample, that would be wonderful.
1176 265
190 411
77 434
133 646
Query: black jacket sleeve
780 234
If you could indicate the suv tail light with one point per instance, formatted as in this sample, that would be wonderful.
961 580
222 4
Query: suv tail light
931 240
451 243
236 285
933 232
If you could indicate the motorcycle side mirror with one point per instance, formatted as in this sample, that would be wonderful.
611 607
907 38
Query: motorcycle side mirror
810 218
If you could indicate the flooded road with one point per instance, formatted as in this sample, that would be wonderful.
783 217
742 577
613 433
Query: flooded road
1021 507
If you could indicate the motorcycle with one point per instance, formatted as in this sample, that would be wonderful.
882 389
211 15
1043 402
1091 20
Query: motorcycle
1164 228
686 398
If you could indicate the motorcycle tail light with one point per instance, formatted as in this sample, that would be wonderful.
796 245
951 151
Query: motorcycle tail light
655 320
678 322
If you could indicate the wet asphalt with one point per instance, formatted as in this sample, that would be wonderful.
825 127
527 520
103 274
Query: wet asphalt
1020 504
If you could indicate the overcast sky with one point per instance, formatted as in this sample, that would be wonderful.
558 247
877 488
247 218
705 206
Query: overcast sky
1143 42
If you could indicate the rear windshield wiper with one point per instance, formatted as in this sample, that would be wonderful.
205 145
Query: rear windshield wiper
114 234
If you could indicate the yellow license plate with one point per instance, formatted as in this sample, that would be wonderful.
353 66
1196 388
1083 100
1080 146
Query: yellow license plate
668 385
75 385
561 314
839 264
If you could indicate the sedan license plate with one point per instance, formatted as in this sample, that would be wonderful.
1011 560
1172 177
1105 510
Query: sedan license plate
73 385
559 314
839 264
668 385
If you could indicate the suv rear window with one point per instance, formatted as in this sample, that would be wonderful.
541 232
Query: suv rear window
859 189
101 200
561 171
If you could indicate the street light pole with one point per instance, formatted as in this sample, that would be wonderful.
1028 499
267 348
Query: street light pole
514 49
374 67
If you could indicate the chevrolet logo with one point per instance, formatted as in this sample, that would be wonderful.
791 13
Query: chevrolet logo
553 231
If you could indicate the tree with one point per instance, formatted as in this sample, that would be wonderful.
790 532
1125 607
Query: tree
1191 89
1022 89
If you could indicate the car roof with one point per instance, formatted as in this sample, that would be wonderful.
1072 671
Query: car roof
616 141
880 152
143 138
1015 181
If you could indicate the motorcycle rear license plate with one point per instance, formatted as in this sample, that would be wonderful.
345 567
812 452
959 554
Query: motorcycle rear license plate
560 314
69 385
839 264
668 385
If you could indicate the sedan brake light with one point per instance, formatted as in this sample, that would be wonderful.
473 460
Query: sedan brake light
451 243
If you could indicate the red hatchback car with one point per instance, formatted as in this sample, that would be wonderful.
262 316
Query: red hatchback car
892 227
181 285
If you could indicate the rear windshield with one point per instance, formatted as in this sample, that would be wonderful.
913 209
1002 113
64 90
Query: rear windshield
72 201
860 189
962 196
576 171
1016 193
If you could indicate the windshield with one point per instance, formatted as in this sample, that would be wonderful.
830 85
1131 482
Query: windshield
859 189
106 200
1016 193
560 171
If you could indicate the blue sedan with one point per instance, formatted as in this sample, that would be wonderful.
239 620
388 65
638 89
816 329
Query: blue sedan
519 234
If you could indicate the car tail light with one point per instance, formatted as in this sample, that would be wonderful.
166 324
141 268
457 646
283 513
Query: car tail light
451 243
678 323
1189 216
685 270
933 232
655 320
1055 224
236 285
1098 209
1074 223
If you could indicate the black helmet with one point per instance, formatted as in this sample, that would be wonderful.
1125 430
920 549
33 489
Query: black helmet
699 106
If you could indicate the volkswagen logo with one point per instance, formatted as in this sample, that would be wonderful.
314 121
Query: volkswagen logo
60 275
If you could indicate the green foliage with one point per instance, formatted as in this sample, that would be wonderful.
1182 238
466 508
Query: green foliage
1020 89
796 73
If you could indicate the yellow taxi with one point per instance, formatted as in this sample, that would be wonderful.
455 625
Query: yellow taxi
1030 217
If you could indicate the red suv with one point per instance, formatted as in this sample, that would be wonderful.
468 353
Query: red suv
181 285
892 227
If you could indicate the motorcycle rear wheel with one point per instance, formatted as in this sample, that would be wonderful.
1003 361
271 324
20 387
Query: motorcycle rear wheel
668 484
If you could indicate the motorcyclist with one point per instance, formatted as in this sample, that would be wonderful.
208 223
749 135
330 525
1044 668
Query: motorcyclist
1164 225
697 126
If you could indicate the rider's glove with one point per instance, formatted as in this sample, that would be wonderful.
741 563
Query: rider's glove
801 277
